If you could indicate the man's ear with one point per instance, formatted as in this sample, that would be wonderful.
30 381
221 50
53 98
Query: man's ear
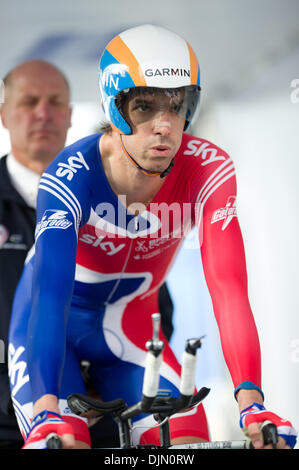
70 116
2 115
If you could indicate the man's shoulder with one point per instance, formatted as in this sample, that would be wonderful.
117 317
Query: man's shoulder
3 167
201 152
86 145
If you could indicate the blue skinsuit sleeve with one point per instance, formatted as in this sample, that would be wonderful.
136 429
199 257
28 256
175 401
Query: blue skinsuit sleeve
60 210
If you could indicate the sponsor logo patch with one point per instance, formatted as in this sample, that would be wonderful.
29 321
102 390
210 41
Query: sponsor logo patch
17 368
168 72
203 150
53 218
74 163
225 213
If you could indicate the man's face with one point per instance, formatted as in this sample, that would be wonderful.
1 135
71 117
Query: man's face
157 129
36 113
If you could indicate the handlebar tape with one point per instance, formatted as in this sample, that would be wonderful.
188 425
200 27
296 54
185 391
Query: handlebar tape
188 374
151 375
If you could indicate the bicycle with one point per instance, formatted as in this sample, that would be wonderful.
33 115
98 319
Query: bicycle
161 407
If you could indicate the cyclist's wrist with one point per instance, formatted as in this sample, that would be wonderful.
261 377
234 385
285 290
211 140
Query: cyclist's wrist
246 398
43 416
248 385
43 425
46 402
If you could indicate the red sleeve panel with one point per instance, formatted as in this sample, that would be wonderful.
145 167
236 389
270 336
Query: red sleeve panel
226 276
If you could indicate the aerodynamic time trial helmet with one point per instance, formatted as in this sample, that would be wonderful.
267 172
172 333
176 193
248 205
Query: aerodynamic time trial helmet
147 59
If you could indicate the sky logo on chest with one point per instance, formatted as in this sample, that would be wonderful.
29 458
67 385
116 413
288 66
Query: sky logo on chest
52 218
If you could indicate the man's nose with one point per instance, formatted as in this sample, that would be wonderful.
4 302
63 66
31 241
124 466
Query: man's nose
43 111
162 124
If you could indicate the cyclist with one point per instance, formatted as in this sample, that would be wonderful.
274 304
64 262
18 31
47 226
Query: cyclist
88 289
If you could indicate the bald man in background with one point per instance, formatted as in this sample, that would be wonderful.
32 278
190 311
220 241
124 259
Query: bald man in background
37 114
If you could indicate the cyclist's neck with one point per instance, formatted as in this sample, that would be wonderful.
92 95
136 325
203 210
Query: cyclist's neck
124 178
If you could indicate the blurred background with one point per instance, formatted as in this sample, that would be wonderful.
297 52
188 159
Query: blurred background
249 58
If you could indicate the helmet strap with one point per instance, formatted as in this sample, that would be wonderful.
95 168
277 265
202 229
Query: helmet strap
162 174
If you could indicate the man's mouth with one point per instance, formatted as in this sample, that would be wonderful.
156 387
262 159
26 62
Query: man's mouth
43 132
162 150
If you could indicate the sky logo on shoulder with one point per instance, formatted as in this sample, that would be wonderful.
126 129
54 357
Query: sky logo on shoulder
74 163
53 218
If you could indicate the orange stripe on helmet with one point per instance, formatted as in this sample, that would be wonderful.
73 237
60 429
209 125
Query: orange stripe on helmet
193 65
123 55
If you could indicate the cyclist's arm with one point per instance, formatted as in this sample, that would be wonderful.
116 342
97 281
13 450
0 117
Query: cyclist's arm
225 272
46 402
54 261
63 205
52 286
224 265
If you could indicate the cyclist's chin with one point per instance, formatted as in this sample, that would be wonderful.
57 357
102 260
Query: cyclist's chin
157 162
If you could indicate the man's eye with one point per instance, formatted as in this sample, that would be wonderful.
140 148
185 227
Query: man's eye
56 102
28 102
142 107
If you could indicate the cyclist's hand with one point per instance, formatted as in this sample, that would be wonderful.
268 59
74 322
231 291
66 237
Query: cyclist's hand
46 423
256 414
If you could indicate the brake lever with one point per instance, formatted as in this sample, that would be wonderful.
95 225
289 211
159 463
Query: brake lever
270 435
